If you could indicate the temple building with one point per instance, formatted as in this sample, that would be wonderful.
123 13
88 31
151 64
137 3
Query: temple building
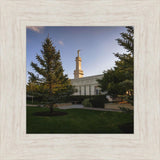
85 85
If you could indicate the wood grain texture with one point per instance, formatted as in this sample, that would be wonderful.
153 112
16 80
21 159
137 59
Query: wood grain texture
15 144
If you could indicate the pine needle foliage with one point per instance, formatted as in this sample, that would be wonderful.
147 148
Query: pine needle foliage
50 81
118 81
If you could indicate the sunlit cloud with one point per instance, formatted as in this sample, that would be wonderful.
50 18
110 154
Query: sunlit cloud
37 29
61 43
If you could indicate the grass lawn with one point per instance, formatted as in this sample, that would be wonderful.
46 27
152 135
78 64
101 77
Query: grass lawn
79 121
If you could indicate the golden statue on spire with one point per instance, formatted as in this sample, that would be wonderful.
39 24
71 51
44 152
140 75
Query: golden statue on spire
78 52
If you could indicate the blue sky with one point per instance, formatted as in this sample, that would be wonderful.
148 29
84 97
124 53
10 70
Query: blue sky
97 46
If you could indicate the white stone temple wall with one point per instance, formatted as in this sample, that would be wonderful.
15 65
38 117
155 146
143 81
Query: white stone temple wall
87 89
85 82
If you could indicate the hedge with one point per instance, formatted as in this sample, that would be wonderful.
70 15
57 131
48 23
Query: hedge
96 100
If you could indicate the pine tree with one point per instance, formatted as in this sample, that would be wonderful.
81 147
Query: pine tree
127 40
50 80
119 80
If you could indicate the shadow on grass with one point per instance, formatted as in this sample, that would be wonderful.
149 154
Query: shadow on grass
127 127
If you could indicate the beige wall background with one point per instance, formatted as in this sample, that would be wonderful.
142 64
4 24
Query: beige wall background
15 144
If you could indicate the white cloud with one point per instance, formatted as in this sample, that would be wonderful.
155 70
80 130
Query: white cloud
61 43
37 29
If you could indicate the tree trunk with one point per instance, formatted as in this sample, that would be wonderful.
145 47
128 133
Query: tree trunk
50 93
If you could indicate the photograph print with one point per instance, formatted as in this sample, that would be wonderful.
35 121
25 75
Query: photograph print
80 79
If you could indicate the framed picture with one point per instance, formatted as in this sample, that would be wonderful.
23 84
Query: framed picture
16 143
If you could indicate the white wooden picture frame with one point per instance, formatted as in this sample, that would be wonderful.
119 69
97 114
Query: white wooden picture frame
15 144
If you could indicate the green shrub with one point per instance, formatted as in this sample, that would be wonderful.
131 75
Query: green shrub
80 99
36 100
98 101
87 103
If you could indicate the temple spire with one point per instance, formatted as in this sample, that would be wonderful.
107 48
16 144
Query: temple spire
78 73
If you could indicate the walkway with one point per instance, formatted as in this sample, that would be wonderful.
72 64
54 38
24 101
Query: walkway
32 105
80 106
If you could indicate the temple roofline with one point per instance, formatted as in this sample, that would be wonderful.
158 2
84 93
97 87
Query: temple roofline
87 77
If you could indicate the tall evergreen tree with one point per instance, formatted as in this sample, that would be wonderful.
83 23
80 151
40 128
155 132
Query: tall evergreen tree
119 80
50 80
127 40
